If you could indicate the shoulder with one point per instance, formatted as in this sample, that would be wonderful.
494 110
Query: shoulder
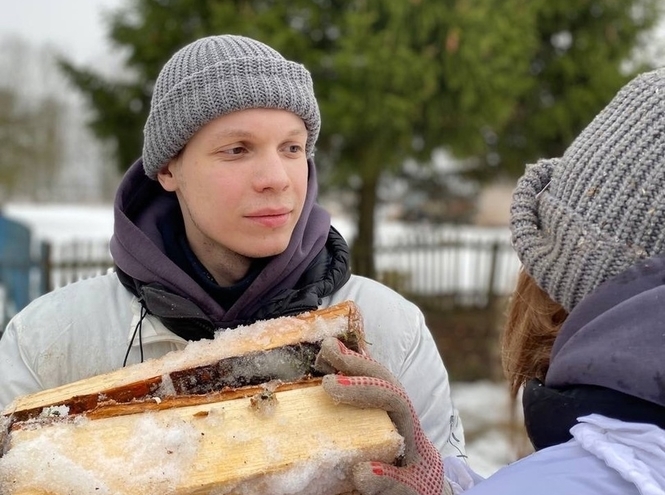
394 327
92 297
377 301
565 468
73 328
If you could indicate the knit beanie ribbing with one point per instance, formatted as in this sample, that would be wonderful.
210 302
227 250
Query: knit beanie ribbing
579 220
218 75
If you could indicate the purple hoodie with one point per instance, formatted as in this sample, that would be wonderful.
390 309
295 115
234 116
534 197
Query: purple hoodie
615 337
138 250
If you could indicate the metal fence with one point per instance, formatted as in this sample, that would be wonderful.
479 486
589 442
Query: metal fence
437 267
70 261
456 265
50 266
448 266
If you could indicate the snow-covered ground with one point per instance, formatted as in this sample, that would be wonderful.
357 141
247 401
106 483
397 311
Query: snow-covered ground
484 406
61 222
492 439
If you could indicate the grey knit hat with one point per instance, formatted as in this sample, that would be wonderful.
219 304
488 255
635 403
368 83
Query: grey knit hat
579 220
215 76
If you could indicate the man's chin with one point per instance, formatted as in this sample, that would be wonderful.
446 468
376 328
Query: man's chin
265 252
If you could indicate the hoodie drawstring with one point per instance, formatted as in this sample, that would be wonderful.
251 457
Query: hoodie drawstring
138 328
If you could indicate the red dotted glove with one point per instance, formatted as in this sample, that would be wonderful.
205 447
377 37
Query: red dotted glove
365 383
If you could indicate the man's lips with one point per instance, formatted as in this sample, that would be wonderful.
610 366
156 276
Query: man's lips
272 218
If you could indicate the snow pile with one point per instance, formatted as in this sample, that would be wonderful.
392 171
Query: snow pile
493 427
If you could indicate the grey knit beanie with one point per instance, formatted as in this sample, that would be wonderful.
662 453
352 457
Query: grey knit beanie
215 76
579 220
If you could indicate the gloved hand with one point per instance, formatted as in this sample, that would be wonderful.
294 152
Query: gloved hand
365 383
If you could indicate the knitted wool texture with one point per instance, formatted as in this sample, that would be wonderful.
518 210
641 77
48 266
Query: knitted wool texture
579 220
215 76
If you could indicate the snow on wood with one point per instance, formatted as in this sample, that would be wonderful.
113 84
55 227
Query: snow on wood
306 444
278 437
140 380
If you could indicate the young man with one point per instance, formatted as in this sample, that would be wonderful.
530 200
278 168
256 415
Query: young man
217 226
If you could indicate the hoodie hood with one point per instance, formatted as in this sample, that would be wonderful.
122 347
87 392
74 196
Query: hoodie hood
141 205
615 337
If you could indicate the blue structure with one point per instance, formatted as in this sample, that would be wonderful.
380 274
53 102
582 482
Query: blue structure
15 267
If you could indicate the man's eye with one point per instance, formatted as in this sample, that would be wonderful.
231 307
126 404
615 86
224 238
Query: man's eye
238 150
295 148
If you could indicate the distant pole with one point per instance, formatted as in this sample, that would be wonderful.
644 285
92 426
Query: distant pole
492 274
45 267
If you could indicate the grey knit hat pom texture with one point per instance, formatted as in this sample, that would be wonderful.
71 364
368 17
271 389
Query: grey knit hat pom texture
579 220
218 75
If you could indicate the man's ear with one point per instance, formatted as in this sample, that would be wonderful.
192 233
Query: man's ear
166 177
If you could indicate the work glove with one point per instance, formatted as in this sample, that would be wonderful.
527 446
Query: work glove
360 381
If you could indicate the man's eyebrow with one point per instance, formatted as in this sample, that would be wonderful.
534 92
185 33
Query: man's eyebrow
243 133
234 133
298 131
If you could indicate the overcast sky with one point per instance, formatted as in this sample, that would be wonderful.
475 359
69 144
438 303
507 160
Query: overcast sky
75 27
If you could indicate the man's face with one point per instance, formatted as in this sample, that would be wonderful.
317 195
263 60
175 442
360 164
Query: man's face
241 183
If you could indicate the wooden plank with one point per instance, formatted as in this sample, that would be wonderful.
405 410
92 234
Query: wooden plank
153 377
294 441
179 426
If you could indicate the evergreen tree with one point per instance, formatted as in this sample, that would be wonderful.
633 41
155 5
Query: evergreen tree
395 80
582 60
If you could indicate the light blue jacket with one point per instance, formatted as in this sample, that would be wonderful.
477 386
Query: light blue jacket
605 457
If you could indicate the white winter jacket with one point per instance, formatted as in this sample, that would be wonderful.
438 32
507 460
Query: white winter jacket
605 457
